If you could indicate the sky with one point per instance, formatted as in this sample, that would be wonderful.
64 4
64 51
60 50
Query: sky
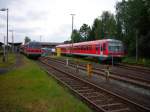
49 20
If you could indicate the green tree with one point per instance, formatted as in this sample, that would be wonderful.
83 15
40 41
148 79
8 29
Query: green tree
104 27
84 32
133 16
98 29
27 39
108 24
75 37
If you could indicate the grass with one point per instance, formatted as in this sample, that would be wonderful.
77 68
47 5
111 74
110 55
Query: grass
141 61
29 89
11 60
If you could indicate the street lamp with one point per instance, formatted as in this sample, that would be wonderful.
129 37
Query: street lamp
6 9
4 51
72 20
72 29
40 38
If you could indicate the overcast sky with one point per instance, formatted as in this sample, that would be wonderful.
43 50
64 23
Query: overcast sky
49 19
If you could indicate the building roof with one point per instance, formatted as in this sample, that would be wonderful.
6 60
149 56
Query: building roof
1 43
50 43
15 44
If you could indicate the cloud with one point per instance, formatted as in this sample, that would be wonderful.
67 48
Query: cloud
50 18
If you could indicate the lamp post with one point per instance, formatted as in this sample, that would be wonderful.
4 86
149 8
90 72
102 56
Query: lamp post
6 9
136 45
40 38
72 28
12 31
4 52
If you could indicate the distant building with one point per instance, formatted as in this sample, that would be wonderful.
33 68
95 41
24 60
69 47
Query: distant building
15 46
1 48
49 44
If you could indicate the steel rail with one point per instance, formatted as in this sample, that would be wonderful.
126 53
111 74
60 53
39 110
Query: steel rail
127 79
99 88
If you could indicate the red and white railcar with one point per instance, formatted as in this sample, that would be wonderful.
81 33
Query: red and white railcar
103 49
32 49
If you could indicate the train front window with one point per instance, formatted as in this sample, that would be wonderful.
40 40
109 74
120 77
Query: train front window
115 46
34 45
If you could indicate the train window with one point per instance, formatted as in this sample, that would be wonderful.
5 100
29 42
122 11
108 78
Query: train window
115 46
87 48
90 47
104 46
34 45
97 47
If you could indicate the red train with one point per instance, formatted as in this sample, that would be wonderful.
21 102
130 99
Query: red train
103 49
31 49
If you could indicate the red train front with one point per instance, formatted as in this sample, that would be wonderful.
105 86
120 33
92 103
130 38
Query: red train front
105 49
32 49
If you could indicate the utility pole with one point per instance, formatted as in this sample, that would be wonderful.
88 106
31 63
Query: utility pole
72 20
4 52
12 31
136 45
6 9
7 33
40 38
72 28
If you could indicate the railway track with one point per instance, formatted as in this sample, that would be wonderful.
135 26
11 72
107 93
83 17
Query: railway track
96 97
124 77
134 67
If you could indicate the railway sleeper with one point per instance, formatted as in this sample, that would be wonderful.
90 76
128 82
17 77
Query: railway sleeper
76 86
95 97
122 110
66 78
114 106
103 101
71 83
91 94
80 87
84 90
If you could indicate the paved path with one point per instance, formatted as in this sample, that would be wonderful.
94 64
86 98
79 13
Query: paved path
3 70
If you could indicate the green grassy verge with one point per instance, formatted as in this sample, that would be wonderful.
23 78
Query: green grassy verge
141 61
11 60
29 89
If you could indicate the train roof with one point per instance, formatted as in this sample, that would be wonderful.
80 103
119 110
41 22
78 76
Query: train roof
89 42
